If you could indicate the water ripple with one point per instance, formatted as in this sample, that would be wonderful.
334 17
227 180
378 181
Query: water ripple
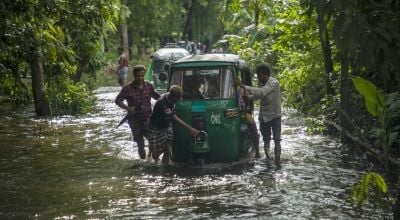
84 168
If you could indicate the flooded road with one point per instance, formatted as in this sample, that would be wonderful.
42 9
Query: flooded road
84 168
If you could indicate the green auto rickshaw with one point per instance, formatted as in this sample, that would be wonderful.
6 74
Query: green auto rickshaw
156 70
211 103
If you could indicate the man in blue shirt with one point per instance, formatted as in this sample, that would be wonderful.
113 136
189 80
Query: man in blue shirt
160 124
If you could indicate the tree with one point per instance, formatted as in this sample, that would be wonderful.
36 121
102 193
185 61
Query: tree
42 107
57 39
188 28
366 34
322 20
124 29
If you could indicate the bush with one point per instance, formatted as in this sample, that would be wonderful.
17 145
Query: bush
68 98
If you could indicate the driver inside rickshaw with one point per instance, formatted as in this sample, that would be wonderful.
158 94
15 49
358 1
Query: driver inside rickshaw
212 87
191 86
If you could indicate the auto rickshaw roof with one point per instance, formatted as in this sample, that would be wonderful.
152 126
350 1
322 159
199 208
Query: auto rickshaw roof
212 59
170 53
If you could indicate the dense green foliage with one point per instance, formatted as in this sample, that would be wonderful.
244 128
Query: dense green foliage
288 41
152 24
337 60
68 98
289 34
62 36
314 47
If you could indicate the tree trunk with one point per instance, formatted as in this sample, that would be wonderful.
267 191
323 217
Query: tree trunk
133 50
23 86
188 29
327 53
256 14
41 104
82 65
124 33
141 48
344 99
221 20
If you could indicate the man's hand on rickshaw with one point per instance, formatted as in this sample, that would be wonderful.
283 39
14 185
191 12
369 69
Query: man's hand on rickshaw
194 132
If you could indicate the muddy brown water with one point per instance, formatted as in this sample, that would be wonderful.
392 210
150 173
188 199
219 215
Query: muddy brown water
84 168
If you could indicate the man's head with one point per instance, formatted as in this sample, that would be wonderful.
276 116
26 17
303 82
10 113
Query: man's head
138 72
263 72
175 93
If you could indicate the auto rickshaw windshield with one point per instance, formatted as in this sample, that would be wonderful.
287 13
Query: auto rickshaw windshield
205 83
158 66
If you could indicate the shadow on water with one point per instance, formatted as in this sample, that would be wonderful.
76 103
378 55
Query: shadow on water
84 168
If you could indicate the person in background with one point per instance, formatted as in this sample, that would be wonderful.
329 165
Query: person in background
270 108
122 70
160 124
249 109
138 96
212 87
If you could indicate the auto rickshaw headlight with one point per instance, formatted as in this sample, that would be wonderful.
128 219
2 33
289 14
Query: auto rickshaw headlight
201 137
200 144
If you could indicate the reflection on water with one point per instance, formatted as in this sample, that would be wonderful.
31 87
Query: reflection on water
84 168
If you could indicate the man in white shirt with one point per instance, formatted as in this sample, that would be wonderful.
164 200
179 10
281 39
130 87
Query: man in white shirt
270 108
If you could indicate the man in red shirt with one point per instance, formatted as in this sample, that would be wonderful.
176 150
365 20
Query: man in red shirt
138 96
123 64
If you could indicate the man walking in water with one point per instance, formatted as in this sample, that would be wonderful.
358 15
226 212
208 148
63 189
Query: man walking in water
270 108
160 124
123 64
138 96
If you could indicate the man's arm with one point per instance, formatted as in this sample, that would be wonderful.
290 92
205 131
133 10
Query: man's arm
119 100
259 92
192 130
155 94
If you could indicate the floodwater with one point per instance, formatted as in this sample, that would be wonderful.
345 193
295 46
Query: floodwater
85 168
